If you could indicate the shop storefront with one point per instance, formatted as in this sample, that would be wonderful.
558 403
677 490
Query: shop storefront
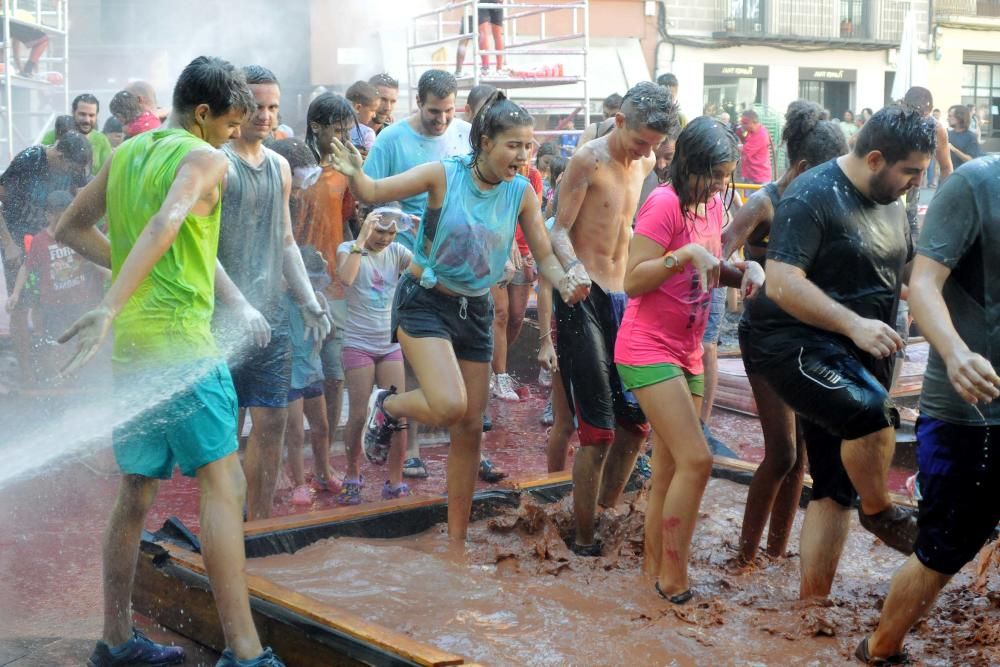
981 89
830 88
734 88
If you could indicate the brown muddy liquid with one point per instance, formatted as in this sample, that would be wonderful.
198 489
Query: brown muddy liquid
519 597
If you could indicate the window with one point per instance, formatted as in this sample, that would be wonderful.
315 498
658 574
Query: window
981 89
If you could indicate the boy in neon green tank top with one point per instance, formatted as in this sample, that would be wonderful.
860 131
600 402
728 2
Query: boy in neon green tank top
161 194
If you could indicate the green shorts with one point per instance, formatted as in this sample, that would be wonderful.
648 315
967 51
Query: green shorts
190 420
637 377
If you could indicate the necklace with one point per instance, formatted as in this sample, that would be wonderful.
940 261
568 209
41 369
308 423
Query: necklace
479 175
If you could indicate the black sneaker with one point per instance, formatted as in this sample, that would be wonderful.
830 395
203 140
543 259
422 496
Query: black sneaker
379 426
894 526
139 650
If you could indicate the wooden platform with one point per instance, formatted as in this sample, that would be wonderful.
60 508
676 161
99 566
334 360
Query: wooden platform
733 392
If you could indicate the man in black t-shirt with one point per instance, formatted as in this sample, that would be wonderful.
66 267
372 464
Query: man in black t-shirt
823 328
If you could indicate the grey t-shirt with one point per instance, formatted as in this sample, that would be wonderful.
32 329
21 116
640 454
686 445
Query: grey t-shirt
370 297
252 231
962 231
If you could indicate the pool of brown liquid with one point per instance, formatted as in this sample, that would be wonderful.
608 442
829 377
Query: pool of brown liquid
518 596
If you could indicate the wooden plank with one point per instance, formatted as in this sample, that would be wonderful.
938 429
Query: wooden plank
293 521
325 614
528 483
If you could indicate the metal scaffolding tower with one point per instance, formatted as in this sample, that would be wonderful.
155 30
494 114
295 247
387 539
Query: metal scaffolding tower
432 32
30 103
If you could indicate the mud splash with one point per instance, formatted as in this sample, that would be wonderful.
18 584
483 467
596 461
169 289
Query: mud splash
519 596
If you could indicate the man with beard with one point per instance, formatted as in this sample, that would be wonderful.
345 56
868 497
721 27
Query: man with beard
823 330
85 110
388 94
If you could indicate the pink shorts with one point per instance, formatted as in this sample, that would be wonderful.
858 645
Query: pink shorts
356 358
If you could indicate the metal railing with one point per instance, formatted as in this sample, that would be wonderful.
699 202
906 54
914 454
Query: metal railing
861 20
985 8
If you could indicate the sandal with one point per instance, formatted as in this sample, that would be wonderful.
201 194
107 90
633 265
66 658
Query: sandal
677 598
862 654
414 467
489 472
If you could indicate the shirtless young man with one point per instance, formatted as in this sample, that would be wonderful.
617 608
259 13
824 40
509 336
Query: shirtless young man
593 227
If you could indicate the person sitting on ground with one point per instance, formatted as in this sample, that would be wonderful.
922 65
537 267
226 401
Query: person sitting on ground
305 394
954 292
822 330
776 487
673 262
442 312
370 269
114 131
364 97
126 108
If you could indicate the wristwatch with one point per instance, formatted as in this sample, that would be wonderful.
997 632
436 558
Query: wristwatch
670 261
358 250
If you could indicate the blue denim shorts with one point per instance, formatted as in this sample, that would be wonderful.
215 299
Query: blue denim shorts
716 312
194 423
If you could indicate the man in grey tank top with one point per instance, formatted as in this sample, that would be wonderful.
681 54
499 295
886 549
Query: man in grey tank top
259 254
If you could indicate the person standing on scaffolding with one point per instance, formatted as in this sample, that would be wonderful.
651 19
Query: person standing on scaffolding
490 22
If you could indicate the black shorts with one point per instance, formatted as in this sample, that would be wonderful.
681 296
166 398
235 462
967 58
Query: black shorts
262 375
586 354
829 382
494 16
959 483
467 322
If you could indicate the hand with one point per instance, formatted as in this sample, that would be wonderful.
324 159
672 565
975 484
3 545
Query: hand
575 285
366 228
530 269
90 330
547 355
318 322
705 263
12 302
256 323
972 376
875 337
753 278
345 158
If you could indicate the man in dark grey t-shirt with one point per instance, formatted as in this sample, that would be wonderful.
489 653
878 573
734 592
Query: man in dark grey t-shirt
258 252
955 297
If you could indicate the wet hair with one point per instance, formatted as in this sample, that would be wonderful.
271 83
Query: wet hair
327 109
256 74
86 98
752 115
648 104
556 168
919 98
498 114
809 138
63 125
295 151
111 125
75 147
478 96
363 93
612 102
962 115
436 82
548 148
896 131
703 144
215 82
385 80
58 200
667 80
126 105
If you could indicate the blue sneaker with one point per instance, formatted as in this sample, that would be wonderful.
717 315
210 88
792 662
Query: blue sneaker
378 427
265 659
139 650
350 492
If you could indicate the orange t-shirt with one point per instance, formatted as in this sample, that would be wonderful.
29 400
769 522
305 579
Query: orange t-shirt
319 220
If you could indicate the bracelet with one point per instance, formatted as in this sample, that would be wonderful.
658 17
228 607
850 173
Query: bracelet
545 335
358 250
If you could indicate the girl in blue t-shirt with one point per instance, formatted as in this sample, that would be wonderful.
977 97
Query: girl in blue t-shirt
442 314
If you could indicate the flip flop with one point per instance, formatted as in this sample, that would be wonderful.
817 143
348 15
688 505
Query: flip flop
678 598
862 654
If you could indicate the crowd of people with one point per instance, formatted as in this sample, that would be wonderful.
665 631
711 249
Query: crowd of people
255 276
